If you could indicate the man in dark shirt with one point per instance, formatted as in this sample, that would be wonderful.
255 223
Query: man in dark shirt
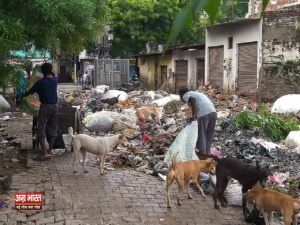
47 118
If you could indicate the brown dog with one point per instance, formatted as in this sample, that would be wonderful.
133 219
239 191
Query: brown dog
183 172
124 105
269 201
144 113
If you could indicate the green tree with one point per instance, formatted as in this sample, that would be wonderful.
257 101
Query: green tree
137 22
189 14
232 10
46 24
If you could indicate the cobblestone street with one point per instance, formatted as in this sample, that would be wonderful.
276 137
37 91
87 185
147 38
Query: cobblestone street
118 197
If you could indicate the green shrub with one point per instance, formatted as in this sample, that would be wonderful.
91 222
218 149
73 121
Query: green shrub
273 126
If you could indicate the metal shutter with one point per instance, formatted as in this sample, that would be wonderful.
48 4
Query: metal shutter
181 70
247 67
216 70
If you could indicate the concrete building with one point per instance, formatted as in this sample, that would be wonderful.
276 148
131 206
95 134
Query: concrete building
257 56
188 66
181 66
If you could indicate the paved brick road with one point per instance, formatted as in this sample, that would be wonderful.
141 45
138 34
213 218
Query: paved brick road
116 198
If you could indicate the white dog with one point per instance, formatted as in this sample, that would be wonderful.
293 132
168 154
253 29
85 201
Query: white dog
99 146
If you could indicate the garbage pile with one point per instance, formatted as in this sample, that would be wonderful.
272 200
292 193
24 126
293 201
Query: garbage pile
110 111
248 146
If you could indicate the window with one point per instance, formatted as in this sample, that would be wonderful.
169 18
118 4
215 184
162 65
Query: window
230 40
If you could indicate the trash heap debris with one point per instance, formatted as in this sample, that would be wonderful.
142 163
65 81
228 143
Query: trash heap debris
109 111
113 111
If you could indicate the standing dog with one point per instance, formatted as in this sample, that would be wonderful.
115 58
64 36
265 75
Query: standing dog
183 172
269 201
99 146
144 113
246 174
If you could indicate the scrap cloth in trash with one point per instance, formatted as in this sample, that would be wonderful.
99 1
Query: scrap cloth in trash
184 143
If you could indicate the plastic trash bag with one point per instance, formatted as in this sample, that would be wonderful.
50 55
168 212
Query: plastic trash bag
279 178
115 93
233 194
99 121
287 104
184 143
293 140
4 105
101 89
163 101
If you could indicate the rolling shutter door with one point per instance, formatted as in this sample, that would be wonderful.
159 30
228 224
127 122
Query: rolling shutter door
181 70
216 71
247 67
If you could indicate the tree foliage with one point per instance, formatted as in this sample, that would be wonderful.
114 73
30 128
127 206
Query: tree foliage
189 13
137 22
46 24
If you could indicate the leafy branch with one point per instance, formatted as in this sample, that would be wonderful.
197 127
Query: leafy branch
188 14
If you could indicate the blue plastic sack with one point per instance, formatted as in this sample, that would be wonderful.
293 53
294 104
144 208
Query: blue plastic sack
184 143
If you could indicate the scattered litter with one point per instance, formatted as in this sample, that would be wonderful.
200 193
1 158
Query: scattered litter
223 114
5 118
86 160
57 152
279 178
215 152
4 105
266 144
163 177
204 177
67 141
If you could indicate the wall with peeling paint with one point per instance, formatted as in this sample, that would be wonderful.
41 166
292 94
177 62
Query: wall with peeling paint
280 73
242 32
147 65
191 56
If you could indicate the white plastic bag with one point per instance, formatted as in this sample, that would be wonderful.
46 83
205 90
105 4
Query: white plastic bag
287 104
4 105
115 93
233 194
293 141
163 101
101 89
99 121
184 143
